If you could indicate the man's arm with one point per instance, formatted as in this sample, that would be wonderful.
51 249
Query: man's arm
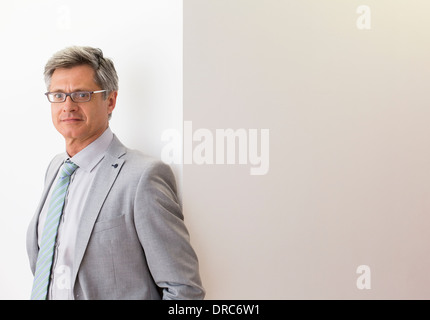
162 232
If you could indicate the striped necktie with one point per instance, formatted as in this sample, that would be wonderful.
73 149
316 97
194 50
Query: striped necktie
46 251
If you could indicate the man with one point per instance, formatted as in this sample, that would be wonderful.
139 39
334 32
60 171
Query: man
109 224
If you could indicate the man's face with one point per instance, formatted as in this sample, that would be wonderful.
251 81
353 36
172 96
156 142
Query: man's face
83 121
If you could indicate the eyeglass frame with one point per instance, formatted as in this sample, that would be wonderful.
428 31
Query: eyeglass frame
70 95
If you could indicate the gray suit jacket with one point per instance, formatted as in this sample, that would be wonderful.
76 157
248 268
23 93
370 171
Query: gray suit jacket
132 242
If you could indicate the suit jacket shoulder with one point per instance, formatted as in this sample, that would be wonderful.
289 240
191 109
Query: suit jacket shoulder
147 169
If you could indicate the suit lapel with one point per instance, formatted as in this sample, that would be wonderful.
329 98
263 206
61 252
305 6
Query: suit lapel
106 175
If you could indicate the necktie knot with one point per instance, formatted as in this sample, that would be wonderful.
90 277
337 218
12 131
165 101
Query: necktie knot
68 168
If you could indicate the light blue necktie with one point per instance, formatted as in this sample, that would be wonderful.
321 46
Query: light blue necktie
46 252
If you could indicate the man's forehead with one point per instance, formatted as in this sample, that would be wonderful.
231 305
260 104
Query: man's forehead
77 76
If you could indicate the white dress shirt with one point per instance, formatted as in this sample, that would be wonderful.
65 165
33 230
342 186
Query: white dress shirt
81 180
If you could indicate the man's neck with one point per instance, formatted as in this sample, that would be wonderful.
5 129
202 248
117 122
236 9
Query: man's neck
74 146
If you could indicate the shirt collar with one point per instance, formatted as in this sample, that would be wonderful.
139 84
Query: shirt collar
91 155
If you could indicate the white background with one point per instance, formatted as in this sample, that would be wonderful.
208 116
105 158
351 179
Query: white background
144 39
348 113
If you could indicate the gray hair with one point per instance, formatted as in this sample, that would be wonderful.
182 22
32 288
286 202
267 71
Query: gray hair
105 74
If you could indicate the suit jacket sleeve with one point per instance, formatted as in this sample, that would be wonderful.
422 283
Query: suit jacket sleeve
162 232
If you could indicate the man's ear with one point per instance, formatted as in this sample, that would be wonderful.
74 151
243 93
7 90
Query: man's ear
112 101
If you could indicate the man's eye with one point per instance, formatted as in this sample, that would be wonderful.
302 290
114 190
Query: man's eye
58 95
83 94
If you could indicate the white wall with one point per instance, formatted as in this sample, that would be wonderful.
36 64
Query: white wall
348 112
144 39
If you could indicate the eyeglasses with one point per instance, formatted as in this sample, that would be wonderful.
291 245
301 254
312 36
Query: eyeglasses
78 96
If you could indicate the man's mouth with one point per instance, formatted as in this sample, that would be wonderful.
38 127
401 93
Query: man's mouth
71 120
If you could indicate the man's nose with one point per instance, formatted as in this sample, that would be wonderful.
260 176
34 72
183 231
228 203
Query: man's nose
69 105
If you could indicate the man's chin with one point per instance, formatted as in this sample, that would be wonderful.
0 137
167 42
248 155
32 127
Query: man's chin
70 134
